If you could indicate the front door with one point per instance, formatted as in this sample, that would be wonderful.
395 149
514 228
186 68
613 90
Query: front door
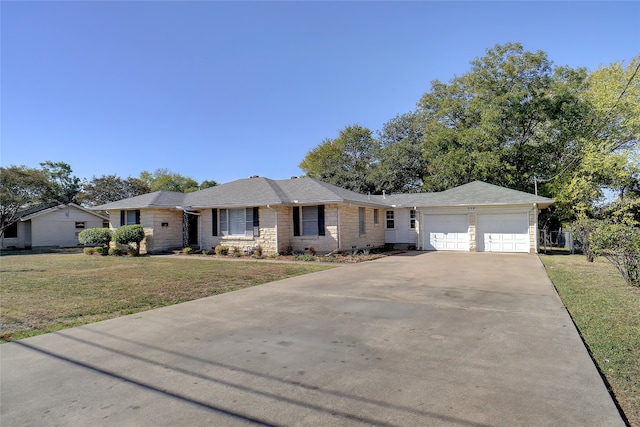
193 229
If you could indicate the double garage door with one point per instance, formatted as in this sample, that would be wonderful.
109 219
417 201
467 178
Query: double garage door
494 232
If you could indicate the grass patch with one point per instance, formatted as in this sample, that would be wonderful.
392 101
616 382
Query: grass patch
49 292
606 311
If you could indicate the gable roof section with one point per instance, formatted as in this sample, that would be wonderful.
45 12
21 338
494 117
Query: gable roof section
474 193
45 209
164 199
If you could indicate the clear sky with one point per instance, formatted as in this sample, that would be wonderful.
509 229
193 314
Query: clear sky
225 90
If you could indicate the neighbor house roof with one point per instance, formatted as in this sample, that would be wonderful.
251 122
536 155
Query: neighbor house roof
474 193
45 209
260 191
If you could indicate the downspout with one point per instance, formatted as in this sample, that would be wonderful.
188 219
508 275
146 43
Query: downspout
535 226
276 211
419 224
339 233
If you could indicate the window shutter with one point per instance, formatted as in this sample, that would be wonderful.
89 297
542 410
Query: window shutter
122 217
137 216
214 222
321 231
256 222
296 220
223 222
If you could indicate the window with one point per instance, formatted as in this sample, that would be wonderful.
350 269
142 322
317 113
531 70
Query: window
362 223
308 221
236 222
412 219
376 220
391 222
129 217
80 224
11 232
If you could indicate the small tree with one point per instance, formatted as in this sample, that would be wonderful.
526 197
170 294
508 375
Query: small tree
129 235
620 244
582 229
95 237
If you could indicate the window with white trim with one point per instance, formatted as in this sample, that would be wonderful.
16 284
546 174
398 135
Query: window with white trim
412 219
391 222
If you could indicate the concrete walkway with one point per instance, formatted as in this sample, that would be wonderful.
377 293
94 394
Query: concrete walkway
422 339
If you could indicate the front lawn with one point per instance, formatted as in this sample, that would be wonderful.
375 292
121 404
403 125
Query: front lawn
606 311
45 293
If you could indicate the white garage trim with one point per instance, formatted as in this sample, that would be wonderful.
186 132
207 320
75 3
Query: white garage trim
448 232
503 232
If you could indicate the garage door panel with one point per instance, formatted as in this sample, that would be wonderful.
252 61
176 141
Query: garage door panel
503 232
446 233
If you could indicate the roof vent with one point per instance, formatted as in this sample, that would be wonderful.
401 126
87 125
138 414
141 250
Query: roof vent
294 177
254 176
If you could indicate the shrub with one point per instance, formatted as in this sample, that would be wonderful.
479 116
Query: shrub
115 252
206 252
101 250
187 251
89 251
304 257
130 235
620 244
95 236
222 250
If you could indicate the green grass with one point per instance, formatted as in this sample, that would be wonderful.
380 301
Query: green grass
49 292
606 311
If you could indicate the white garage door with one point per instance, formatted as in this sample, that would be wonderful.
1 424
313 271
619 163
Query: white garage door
503 232
446 232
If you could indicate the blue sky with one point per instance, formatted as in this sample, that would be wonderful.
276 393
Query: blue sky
225 90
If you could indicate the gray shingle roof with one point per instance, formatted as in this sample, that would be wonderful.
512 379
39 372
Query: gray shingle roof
473 193
261 191
165 199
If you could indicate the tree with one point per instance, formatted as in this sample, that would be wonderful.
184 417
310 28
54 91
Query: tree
110 188
207 184
96 236
64 187
400 164
20 188
507 121
345 161
164 179
607 162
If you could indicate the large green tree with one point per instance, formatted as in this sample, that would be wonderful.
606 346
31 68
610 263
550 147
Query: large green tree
20 188
507 121
345 161
64 187
110 188
164 179
400 166
605 170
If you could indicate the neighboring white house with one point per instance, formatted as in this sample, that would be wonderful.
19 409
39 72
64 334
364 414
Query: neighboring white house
57 226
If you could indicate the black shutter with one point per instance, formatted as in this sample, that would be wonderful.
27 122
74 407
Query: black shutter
296 220
122 215
256 222
321 231
214 222
137 216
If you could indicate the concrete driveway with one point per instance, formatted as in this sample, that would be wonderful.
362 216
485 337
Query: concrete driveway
423 339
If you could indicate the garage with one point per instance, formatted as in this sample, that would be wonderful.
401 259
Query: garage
446 232
503 232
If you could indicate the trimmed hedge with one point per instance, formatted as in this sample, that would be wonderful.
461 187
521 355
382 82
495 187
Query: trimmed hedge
130 235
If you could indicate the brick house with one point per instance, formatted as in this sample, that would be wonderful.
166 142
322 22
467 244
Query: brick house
302 213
